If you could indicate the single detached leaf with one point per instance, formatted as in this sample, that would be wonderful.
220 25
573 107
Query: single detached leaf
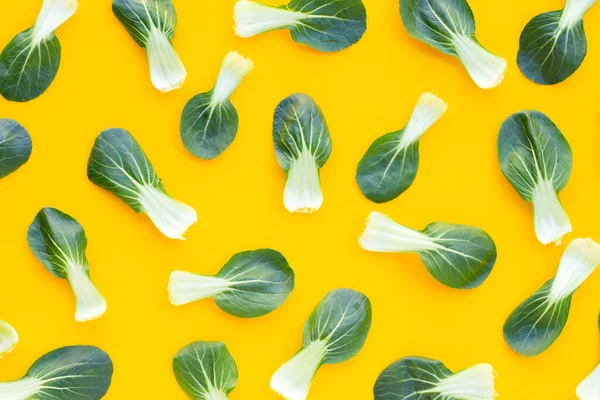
209 122
29 63
8 338
302 146
15 146
325 25
537 160
536 324
59 242
251 284
457 256
68 373
118 164
553 44
205 370
449 26
390 165
152 23
418 378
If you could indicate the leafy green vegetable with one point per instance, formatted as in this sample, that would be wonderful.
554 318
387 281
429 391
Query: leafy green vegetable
334 332
8 338
152 23
538 321
449 26
68 373
119 165
205 371
589 389
325 25
15 146
458 256
29 63
418 378
251 284
390 165
553 44
302 147
537 160
59 242
209 122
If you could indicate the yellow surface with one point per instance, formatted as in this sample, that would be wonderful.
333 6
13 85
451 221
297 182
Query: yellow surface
364 91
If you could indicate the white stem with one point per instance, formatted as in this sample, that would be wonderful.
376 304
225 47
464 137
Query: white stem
171 217
486 69
580 259
573 13
428 110
589 389
22 389
550 219
384 235
233 70
475 383
215 394
90 303
253 18
185 287
294 378
52 15
8 338
302 193
166 69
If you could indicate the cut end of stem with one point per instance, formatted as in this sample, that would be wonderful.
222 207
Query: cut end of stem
486 69
578 262
170 216
302 193
53 14
233 70
251 18
384 235
186 287
475 383
167 72
550 219
428 110
8 338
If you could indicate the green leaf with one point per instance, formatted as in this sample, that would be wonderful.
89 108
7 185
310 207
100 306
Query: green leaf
302 147
325 25
205 370
209 122
449 26
457 256
15 146
390 165
251 284
58 241
537 160
119 165
68 373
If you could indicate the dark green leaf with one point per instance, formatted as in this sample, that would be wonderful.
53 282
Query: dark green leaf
140 16
15 146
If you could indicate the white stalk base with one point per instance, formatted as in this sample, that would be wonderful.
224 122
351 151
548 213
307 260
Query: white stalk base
302 193
167 72
550 219
253 18
384 235
486 69
185 287
90 303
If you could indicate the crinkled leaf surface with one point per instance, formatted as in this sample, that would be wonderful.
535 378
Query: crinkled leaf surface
343 320
263 281
300 125
140 16
530 147
15 146
202 367
208 129
549 54
57 240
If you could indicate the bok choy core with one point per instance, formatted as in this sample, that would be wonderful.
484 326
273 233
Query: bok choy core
390 165
419 378
302 146
449 26
58 241
457 256
536 324
68 373
209 122
205 371
8 338
29 63
251 284
335 332
152 23
553 44
119 165
15 146
326 25
537 160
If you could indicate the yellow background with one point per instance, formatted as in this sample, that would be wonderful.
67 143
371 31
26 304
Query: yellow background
364 92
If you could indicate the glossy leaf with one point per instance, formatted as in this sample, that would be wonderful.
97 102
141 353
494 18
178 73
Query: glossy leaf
15 146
